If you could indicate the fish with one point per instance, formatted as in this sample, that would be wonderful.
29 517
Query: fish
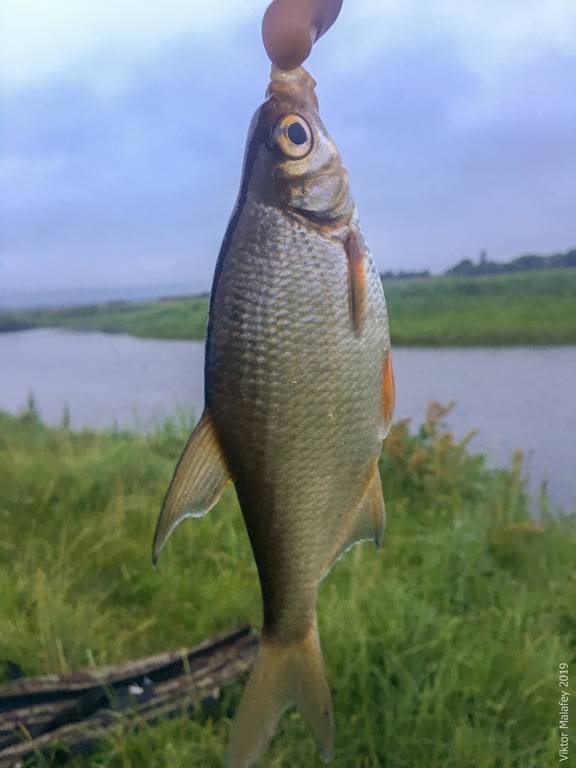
299 395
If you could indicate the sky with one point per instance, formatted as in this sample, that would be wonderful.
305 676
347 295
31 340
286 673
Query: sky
122 129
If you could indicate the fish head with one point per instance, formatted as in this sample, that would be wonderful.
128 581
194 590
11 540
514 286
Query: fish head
292 162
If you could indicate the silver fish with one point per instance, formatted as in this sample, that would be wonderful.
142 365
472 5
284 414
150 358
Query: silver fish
299 396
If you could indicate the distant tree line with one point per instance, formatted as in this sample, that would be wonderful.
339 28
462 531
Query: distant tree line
484 266
403 275
520 264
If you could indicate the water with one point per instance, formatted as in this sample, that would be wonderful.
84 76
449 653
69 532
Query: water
517 397
104 380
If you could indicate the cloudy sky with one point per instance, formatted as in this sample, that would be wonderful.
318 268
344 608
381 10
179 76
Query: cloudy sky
122 128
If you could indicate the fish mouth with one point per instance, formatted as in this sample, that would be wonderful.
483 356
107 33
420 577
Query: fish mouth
296 86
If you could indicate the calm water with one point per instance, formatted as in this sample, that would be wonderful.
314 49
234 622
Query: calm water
516 397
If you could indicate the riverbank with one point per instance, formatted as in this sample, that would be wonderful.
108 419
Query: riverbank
525 308
430 645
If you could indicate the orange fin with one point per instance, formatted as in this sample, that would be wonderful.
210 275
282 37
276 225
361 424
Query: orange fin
357 278
388 394
199 479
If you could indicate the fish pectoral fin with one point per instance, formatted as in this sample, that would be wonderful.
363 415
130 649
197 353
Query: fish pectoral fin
198 481
357 279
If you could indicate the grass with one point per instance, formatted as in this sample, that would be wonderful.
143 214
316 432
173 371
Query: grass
182 318
536 307
442 650
521 308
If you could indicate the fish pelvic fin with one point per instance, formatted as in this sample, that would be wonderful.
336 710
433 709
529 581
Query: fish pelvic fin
388 394
284 674
198 481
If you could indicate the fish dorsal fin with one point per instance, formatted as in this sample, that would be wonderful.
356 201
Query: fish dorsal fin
357 278
198 481
366 523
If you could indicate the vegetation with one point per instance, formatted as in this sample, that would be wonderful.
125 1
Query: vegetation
442 650
178 318
521 308
520 264
404 274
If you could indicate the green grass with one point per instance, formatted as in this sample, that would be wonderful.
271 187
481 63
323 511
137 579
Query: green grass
536 307
182 318
521 308
442 650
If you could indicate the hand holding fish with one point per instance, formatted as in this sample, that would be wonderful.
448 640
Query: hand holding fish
291 27
299 387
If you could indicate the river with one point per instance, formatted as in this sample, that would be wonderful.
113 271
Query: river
516 397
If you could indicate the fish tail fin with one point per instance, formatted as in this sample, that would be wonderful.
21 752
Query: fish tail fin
283 674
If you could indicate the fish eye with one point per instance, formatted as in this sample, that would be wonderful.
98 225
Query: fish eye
292 136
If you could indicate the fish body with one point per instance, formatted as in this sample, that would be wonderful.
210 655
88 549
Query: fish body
295 397
299 396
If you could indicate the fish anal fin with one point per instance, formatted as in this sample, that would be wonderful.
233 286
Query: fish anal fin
283 674
388 394
357 278
366 523
198 481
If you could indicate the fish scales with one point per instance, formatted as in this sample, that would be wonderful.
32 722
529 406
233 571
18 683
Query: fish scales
295 397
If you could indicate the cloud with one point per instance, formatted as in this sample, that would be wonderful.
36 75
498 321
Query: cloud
47 37
124 172
44 38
